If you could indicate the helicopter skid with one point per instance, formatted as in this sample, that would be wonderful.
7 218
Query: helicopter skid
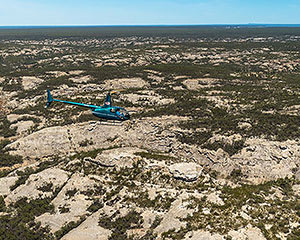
110 123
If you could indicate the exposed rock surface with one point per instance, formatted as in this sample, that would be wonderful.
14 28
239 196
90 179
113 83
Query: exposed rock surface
296 189
297 175
147 98
151 177
244 125
72 198
89 229
229 140
125 83
264 160
171 220
248 233
68 139
215 198
119 157
6 183
57 73
33 187
22 126
186 171
194 84
30 82
80 79
260 159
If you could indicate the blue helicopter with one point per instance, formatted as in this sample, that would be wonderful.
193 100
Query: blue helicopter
107 111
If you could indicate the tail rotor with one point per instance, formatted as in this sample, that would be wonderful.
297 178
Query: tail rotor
49 99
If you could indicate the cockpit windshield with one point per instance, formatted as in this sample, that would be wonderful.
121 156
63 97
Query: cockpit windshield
122 113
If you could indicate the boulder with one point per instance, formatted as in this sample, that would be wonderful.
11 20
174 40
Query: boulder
119 157
186 171
296 189
244 125
214 198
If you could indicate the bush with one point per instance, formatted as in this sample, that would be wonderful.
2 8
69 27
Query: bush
23 176
120 226
95 206
7 160
68 227
5 129
2 204
21 226
46 188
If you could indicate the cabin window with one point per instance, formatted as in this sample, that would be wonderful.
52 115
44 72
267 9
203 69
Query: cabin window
123 111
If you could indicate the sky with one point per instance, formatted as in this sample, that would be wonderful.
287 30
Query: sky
148 12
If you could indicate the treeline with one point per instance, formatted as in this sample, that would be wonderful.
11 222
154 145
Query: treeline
209 32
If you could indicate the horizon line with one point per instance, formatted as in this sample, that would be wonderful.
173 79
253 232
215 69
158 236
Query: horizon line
151 25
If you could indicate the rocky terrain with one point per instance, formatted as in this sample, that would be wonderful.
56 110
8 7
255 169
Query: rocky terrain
212 150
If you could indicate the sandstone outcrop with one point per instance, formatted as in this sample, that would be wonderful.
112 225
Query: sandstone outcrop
6 183
72 200
125 83
30 82
194 84
263 160
33 187
119 157
69 139
89 229
23 126
186 171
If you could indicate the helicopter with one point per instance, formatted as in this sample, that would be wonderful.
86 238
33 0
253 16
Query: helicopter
107 111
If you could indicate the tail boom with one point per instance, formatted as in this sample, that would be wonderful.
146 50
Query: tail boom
50 100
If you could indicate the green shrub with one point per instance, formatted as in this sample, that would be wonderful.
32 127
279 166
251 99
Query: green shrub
68 227
64 209
120 225
7 160
95 206
2 204
23 176
71 192
46 188
5 129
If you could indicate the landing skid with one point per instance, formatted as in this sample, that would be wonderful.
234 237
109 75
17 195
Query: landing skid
110 123
94 124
